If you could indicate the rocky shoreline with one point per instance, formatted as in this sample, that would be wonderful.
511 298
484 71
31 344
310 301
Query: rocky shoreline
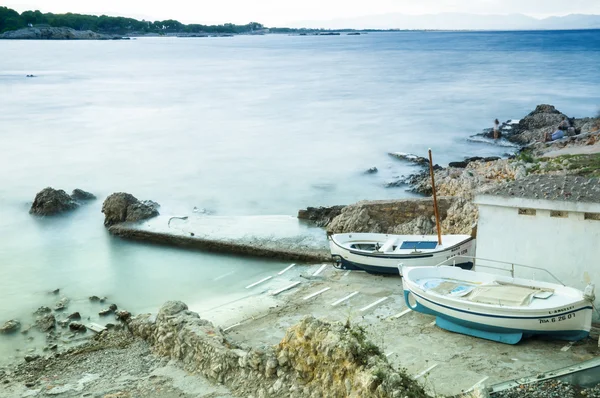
576 154
51 33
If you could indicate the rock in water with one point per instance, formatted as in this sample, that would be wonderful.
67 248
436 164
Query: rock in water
80 194
142 211
123 315
321 216
62 304
31 357
42 310
115 207
77 327
121 206
10 326
45 323
74 316
51 201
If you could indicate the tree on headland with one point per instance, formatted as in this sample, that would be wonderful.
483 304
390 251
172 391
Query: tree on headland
12 20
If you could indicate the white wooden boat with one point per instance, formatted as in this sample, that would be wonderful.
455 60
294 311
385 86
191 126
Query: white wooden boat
381 253
496 307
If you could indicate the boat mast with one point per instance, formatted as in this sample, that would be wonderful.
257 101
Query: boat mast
435 206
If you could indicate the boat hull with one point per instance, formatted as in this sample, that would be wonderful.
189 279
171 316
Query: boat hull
387 263
571 325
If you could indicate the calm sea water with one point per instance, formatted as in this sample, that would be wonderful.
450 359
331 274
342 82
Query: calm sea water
240 126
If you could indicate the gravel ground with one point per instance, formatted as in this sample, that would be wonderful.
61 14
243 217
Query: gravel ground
112 365
549 389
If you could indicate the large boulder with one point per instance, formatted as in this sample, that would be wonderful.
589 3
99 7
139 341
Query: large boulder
50 201
542 116
120 207
545 118
80 194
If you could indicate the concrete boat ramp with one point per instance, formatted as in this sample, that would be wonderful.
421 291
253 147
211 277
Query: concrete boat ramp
446 363
280 237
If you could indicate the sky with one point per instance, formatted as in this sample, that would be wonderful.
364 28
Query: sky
286 12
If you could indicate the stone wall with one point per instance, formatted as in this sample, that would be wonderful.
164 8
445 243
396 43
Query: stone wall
405 216
314 359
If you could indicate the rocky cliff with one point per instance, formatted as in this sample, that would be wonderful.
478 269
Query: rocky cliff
406 216
314 359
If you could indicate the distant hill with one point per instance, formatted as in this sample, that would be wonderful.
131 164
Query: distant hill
457 21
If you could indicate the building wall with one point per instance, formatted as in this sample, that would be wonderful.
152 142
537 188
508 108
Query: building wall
567 247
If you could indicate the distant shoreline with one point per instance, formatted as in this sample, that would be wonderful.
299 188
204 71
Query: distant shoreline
65 33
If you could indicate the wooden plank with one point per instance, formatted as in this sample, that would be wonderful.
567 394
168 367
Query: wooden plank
286 269
381 300
96 328
317 272
316 293
344 299
259 282
283 289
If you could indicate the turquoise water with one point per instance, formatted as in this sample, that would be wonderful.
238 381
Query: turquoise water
241 126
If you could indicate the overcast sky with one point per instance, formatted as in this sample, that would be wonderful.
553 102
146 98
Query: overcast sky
285 12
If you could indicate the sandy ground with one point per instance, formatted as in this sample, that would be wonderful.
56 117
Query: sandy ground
412 341
118 366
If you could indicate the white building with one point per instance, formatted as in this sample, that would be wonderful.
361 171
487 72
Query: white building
551 222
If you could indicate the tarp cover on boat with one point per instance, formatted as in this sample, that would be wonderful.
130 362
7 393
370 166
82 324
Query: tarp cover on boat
424 244
510 295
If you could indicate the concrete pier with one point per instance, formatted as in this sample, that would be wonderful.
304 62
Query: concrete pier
276 237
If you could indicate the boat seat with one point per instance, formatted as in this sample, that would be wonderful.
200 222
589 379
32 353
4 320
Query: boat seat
389 244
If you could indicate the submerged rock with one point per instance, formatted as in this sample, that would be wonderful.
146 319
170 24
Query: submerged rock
80 194
10 326
371 170
45 323
50 201
62 304
121 206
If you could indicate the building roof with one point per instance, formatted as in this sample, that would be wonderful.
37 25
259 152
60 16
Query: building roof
550 187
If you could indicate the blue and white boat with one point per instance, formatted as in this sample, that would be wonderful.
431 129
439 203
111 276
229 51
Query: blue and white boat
495 307
381 253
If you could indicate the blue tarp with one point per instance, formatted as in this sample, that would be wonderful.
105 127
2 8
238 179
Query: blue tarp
418 245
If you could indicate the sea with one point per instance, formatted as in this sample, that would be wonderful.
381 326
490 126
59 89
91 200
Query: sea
236 126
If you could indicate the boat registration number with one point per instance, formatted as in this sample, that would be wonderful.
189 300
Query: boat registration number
458 253
558 318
